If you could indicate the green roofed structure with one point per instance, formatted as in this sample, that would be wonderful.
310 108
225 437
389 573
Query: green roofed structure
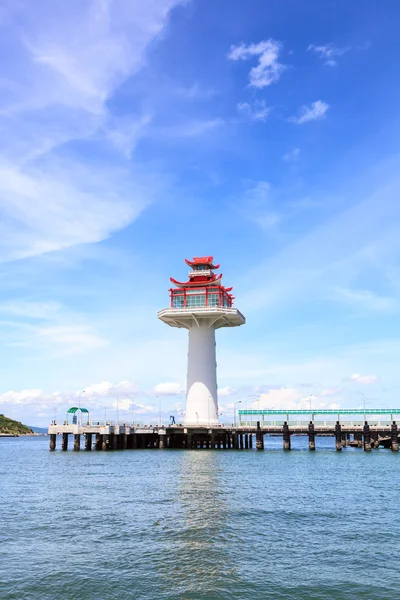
74 410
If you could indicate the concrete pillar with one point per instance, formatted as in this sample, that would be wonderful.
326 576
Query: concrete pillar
213 440
241 441
311 436
224 441
106 442
259 437
53 439
134 441
250 441
114 441
246 441
77 442
64 444
235 440
161 441
124 441
99 441
201 394
395 437
142 441
88 441
286 436
338 436
367 437
189 441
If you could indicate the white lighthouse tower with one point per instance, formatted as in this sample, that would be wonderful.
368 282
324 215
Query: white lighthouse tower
201 305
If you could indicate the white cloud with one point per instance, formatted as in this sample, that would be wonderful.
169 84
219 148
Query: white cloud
168 389
258 111
282 398
317 110
367 379
291 156
327 51
269 68
226 391
106 388
34 397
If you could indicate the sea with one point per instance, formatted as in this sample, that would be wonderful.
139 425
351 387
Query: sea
199 524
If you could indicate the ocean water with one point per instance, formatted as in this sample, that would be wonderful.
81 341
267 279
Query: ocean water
198 524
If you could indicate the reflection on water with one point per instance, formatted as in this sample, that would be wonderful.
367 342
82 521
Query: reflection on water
199 544
203 525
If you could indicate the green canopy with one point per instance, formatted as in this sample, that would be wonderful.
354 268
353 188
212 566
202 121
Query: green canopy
73 410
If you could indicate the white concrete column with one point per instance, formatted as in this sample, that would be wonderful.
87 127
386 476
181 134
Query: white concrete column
201 395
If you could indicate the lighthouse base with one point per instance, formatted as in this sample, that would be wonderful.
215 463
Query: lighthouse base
201 395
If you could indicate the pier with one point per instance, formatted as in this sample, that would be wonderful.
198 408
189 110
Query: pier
377 428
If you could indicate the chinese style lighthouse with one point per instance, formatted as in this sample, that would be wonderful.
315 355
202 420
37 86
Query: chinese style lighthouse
201 305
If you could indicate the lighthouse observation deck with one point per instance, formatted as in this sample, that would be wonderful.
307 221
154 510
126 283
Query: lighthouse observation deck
213 316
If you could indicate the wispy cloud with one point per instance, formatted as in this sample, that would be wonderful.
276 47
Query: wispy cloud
327 52
365 300
257 111
269 69
48 328
316 111
68 61
259 205
291 156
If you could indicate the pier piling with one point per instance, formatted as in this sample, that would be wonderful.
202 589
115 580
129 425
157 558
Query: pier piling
259 437
99 441
395 437
64 445
311 436
286 436
367 437
77 442
338 436
88 441
53 439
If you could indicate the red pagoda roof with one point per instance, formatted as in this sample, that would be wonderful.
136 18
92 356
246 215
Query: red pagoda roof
202 260
199 281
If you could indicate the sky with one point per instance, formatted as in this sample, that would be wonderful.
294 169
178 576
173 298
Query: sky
137 133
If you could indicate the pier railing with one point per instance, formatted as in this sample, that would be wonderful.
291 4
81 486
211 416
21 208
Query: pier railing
331 424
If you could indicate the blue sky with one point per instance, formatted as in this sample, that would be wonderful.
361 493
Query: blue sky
137 133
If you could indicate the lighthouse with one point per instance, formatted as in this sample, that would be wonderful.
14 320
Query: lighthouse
201 305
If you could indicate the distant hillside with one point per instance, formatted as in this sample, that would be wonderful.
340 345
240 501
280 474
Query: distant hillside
9 426
38 429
